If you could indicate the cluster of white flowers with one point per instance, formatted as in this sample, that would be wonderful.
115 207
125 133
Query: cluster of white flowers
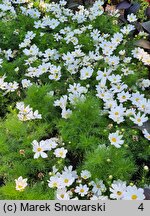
47 145
8 86
76 94
62 102
120 191
26 112
5 7
28 39
70 185
141 55
104 70
143 83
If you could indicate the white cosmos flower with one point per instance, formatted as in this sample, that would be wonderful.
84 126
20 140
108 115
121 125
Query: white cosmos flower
3 84
62 194
62 102
26 113
139 119
11 87
77 88
122 52
60 152
114 78
133 193
39 149
21 183
82 190
136 98
51 143
69 170
54 182
98 187
123 96
66 180
85 174
117 113
127 29
85 73
130 112
36 115
116 139
66 113
131 17
146 134
117 189
26 83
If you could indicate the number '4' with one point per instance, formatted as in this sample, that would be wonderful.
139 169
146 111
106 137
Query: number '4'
141 207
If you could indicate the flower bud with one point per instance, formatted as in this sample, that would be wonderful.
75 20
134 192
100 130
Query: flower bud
110 177
146 168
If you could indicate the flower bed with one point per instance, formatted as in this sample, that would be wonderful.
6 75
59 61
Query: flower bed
74 91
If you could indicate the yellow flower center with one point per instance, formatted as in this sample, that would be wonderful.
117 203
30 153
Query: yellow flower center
139 120
66 180
62 196
113 139
39 149
61 154
134 197
82 190
116 113
55 184
24 118
119 193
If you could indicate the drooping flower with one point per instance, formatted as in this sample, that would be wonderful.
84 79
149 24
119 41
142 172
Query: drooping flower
60 152
146 134
85 174
62 194
21 183
98 187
